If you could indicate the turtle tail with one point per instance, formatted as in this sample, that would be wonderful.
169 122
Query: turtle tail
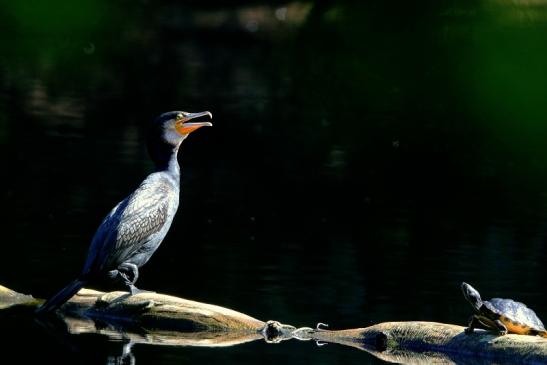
534 332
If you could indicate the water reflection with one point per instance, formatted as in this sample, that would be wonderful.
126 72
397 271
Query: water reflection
123 357
94 347
112 343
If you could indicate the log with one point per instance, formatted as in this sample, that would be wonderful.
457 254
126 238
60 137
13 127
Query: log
158 311
10 299
417 342
162 319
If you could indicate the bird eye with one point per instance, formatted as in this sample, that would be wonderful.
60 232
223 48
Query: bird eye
179 116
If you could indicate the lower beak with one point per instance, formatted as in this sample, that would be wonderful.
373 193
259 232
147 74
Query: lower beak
185 127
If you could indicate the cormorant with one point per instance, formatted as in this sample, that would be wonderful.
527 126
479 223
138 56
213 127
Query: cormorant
134 229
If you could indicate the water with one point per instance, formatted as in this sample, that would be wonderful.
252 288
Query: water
364 160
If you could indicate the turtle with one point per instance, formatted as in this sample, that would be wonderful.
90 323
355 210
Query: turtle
502 315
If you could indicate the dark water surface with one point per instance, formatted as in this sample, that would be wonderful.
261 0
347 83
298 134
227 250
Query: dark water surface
365 159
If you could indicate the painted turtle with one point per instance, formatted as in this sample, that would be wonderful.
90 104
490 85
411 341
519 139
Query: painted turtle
502 315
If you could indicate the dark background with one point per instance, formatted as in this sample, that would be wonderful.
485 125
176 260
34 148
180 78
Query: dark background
366 156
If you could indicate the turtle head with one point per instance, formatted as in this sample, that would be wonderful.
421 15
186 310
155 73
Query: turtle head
472 296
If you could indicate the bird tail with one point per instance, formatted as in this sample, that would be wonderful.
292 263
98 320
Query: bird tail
61 297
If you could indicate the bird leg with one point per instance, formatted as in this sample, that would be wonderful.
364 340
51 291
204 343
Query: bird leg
130 273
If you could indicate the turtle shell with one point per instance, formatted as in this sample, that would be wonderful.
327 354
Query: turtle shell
516 316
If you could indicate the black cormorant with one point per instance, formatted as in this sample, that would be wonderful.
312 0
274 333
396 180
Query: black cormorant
133 230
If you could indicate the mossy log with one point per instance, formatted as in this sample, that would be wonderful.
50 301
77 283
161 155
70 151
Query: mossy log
425 342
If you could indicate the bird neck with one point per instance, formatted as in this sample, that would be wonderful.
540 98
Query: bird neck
164 156
173 167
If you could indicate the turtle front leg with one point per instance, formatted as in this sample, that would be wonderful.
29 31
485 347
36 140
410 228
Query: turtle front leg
500 327
473 322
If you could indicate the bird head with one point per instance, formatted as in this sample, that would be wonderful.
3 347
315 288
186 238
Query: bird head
472 296
174 127
169 130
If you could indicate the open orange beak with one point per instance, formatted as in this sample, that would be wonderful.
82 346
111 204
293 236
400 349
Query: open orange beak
184 127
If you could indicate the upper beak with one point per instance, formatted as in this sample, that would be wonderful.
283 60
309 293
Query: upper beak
185 127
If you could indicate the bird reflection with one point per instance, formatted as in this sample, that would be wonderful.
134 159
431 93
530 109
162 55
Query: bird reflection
105 341
126 357
88 346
